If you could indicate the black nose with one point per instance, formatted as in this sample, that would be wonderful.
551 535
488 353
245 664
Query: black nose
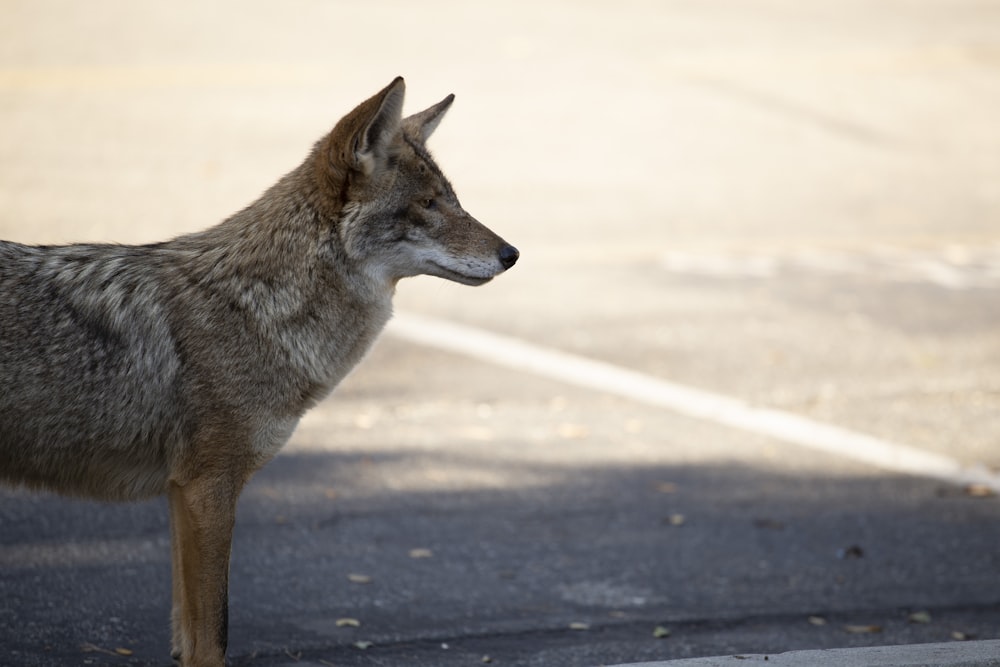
508 255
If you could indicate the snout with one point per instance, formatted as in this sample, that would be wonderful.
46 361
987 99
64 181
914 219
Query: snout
508 255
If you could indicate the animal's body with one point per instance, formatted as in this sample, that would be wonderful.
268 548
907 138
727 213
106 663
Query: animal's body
182 367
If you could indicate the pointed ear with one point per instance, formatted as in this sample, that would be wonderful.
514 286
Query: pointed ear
424 123
371 127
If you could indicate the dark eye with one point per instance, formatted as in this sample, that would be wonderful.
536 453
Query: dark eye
430 202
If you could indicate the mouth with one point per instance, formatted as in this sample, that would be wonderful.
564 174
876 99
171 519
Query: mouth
465 279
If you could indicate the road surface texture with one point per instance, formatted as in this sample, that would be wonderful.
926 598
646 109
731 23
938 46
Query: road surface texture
763 218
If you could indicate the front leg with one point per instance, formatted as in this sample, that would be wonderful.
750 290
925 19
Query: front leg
177 515
202 515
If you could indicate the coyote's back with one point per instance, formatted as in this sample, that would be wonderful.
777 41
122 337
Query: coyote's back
182 367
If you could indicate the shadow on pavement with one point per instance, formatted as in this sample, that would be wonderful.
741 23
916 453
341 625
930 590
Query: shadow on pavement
592 562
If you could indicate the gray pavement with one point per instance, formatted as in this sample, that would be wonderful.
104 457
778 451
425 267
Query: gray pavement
792 204
968 654
972 654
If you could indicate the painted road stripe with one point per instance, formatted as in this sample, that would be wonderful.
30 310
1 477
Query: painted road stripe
608 378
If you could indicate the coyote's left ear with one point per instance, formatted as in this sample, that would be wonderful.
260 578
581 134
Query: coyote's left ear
424 123
383 111
361 140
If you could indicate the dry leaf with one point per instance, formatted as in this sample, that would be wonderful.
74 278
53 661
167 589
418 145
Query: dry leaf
87 647
960 636
863 629
660 632
359 578
666 487
817 620
421 553
675 520
579 626
979 491
362 645
919 617
124 651
486 659
348 623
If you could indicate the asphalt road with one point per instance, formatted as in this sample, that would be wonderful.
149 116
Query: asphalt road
792 204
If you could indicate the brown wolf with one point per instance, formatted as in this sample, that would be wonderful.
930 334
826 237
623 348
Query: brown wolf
182 367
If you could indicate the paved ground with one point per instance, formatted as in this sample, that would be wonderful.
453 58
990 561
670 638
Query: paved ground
983 653
794 204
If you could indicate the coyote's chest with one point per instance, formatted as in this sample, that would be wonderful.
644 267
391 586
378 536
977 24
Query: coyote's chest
271 436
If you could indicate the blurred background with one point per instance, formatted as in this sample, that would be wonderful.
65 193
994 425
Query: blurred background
797 202
793 203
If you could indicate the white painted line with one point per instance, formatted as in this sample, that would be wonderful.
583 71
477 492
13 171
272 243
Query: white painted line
955 268
608 378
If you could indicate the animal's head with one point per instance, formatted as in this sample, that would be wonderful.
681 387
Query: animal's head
398 214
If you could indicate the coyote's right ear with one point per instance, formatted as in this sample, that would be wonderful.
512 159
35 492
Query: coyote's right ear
371 127
424 123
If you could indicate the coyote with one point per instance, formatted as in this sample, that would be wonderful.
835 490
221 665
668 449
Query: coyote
182 367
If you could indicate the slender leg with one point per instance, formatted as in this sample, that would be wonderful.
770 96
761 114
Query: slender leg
178 528
203 512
